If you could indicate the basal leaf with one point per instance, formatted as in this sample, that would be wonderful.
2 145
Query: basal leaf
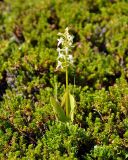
72 106
63 103
59 112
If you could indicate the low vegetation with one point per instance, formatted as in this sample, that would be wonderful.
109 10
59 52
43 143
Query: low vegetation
98 80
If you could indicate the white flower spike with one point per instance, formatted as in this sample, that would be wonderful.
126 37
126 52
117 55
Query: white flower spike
64 46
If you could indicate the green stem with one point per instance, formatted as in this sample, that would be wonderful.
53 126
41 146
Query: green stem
67 98
66 77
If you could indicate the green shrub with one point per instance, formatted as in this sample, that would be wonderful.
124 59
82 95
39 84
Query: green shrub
67 141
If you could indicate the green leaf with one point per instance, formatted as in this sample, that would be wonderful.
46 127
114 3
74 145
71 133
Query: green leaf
70 109
72 106
63 103
63 112
59 112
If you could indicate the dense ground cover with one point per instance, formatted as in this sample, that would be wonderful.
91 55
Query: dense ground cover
28 42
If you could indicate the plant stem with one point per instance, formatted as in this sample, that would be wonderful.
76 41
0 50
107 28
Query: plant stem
67 97
66 77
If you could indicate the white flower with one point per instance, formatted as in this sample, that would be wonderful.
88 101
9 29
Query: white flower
60 41
61 56
70 38
59 66
66 50
58 50
70 58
